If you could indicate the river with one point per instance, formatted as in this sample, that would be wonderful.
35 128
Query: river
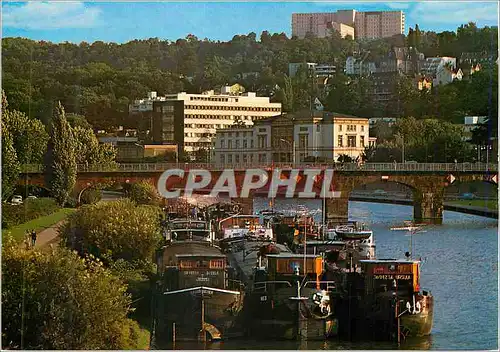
459 267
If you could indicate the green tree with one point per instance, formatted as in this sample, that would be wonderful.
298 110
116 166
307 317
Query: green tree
89 151
143 192
116 230
29 137
58 301
61 160
10 164
76 120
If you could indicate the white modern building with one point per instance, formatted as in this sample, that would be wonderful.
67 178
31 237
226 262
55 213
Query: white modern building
357 66
318 70
432 65
198 116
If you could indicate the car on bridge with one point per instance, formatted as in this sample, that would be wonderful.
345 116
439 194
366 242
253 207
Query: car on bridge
467 196
16 200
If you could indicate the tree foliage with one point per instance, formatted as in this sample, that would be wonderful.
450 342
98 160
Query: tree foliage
428 140
61 160
116 229
29 138
58 300
89 151
143 192
10 164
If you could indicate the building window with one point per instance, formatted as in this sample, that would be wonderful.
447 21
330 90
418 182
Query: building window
251 143
303 141
318 128
262 130
244 158
351 141
237 144
229 158
222 159
340 128
303 129
362 128
222 143
262 142
340 143
237 158
245 144
362 141
229 144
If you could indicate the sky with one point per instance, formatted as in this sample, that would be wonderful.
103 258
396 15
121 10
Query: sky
76 21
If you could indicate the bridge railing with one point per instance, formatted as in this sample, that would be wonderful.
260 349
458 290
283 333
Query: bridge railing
376 167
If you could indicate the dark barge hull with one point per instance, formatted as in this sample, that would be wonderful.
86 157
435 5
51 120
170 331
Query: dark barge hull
282 316
359 320
182 312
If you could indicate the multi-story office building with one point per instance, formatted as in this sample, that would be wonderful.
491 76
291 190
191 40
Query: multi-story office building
367 25
432 65
190 120
317 136
355 66
317 70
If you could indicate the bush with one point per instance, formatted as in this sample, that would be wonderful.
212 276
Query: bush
143 193
115 230
70 303
91 196
13 215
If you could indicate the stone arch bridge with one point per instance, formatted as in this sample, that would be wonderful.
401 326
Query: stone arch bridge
427 181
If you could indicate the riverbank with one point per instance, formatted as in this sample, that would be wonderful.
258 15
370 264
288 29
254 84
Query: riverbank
486 208
39 224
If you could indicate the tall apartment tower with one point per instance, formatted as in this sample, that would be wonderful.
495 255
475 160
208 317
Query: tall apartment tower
379 24
367 25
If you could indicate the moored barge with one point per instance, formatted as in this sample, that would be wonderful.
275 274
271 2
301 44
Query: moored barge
197 299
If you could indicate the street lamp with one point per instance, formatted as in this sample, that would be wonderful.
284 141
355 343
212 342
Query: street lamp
81 192
293 148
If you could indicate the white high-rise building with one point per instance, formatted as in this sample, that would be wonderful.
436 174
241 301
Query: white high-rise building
367 25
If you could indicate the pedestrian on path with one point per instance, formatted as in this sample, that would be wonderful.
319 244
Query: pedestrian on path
33 238
27 240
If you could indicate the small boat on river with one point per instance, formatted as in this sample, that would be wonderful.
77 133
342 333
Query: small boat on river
353 231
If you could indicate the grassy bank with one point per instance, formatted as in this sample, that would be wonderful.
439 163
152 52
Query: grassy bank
38 224
489 204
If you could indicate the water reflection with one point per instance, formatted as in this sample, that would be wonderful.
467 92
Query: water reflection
460 267
416 343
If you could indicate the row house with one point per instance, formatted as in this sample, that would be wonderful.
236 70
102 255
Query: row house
307 136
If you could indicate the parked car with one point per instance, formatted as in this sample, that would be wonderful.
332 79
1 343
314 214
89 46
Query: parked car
379 192
468 196
16 199
32 197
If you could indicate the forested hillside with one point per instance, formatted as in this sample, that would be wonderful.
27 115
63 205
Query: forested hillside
99 80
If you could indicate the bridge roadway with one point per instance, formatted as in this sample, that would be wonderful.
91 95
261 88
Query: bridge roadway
366 167
427 180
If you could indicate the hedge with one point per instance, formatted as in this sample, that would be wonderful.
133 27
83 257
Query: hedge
13 215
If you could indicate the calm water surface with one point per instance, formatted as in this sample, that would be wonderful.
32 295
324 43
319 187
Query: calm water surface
459 267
